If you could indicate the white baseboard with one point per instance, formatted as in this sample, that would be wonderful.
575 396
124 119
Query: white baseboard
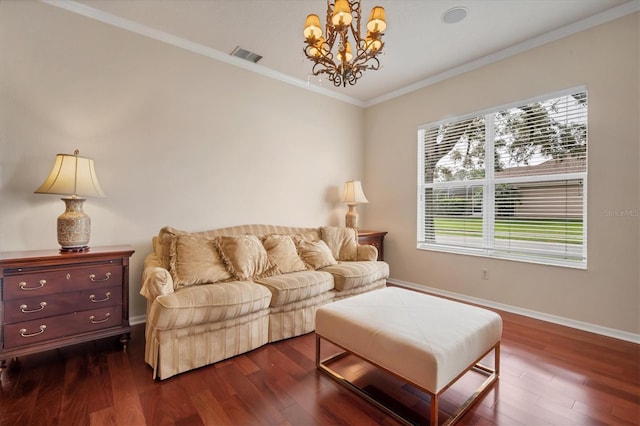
140 319
609 332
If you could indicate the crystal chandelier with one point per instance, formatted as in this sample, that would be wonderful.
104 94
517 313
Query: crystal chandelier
343 66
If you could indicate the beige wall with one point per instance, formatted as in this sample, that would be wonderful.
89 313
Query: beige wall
185 140
605 59
178 139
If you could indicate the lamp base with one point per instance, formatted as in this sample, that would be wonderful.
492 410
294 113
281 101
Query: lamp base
74 226
74 249
351 218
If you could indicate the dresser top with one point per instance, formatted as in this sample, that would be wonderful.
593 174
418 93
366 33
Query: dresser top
54 256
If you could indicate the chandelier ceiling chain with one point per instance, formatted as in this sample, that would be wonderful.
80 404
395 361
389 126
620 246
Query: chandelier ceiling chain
343 20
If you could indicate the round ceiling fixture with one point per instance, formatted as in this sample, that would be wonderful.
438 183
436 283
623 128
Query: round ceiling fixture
454 15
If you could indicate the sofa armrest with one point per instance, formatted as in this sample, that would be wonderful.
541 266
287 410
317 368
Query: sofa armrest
156 280
367 252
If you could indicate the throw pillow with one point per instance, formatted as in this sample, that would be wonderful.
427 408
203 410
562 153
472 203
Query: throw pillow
162 243
195 260
283 254
316 254
342 241
244 256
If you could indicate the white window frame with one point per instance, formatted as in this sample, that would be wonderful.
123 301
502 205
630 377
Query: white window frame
488 184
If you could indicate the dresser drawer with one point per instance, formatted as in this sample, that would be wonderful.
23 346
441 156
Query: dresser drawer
46 282
36 331
19 310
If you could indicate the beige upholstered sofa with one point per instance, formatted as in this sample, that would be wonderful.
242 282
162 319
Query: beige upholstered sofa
215 294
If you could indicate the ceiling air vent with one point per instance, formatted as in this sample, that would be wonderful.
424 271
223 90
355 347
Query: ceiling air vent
245 54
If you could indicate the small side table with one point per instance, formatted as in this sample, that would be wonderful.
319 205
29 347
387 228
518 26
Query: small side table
373 238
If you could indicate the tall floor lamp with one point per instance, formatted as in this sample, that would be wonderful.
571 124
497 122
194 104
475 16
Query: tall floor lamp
75 177
352 196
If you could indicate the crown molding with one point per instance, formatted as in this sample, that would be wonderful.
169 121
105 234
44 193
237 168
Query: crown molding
132 26
595 20
194 47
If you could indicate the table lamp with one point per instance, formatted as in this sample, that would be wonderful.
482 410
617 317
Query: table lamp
352 196
74 177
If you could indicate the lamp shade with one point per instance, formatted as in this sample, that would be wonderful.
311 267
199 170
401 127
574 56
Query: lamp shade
72 175
312 27
353 193
341 13
377 20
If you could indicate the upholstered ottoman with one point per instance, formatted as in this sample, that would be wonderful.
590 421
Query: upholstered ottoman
426 341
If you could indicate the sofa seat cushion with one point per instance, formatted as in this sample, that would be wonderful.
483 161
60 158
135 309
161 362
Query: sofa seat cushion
208 303
296 286
350 275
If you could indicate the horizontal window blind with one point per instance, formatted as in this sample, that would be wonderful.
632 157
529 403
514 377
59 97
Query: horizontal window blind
508 183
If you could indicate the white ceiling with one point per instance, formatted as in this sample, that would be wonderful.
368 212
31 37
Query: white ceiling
419 46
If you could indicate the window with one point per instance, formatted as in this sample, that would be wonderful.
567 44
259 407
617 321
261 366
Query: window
508 183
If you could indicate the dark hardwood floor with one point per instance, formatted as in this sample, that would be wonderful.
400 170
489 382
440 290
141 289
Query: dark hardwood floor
549 375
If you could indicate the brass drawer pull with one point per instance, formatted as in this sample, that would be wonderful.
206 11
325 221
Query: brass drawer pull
94 300
95 321
23 331
23 308
92 277
23 285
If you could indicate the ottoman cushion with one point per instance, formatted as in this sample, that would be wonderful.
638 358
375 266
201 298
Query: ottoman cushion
426 340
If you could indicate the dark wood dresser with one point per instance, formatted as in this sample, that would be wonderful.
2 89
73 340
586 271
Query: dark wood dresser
373 238
50 299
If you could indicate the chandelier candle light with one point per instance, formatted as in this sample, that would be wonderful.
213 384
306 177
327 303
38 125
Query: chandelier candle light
349 61
75 177
353 195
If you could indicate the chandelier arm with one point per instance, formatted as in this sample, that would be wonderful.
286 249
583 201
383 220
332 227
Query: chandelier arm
335 76
376 66
325 55
323 62
319 69
315 71
327 24
368 54
355 11
362 53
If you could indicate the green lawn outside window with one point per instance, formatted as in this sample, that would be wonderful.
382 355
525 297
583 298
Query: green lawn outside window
565 231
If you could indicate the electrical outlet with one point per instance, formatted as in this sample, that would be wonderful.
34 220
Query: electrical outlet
485 274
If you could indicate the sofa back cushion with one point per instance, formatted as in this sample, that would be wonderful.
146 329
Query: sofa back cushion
195 260
264 230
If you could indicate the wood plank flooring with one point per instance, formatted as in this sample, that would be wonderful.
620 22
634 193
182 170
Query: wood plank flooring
550 374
